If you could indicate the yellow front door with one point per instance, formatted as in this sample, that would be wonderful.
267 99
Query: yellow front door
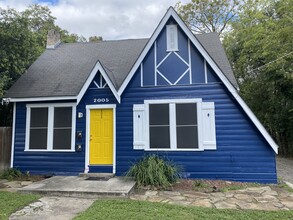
101 137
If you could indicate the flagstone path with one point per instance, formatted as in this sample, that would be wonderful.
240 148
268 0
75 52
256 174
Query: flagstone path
258 198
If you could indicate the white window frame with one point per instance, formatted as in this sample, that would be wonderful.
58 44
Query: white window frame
172 118
50 133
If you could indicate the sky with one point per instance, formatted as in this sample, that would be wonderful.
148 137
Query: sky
111 19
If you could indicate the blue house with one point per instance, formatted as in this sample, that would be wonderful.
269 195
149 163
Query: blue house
99 107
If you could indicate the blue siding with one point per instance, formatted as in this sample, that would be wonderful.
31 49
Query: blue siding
42 162
242 153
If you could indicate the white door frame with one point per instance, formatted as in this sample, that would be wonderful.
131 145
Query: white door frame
87 141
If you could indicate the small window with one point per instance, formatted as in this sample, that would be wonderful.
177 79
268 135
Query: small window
38 128
159 126
172 38
62 128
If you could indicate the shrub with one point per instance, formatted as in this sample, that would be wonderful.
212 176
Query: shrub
10 174
154 171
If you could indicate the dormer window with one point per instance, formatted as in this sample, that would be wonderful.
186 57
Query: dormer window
172 38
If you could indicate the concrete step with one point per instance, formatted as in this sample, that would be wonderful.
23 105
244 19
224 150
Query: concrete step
73 186
98 176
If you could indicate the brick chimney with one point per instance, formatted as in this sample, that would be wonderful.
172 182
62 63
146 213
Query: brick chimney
53 39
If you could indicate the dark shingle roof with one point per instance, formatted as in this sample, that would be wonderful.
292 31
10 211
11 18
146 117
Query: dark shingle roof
64 70
212 44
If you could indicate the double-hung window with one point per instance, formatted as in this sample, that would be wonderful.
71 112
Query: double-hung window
50 127
179 124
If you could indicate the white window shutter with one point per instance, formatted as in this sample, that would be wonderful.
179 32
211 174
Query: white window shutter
209 126
138 127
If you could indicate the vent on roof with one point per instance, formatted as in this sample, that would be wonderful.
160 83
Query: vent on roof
172 38
53 39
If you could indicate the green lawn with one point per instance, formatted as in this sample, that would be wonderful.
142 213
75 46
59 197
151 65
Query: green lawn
11 202
129 209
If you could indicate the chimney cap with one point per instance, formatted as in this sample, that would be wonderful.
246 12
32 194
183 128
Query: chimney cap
53 39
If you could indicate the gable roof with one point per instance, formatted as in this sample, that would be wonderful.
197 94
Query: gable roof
63 71
76 68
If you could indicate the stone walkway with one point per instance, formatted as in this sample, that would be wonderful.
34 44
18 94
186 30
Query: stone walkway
51 208
258 198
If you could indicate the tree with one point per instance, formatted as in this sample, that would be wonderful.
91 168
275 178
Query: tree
22 39
203 16
95 39
260 48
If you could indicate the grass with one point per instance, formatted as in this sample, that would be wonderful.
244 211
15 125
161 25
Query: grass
11 202
129 209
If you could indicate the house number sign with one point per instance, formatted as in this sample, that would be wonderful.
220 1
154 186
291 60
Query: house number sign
101 100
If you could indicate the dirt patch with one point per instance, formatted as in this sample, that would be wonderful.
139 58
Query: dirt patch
210 185
2 186
33 178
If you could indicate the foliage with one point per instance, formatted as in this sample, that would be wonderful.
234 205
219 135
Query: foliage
203 16
261 50
129 209
154 171
10 174
95 39
11 202
23 38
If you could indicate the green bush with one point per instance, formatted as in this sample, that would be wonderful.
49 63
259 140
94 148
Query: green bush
10 174
154 171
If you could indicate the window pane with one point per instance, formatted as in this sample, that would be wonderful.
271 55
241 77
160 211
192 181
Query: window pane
160 137
38 139
39 117
186 114
187 137
62 139
62 117
159 114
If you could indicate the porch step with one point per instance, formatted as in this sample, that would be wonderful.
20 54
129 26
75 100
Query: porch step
97 176
78 187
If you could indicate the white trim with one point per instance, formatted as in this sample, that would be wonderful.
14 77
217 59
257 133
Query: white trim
205 72
13 135
189 60
171 13
49 150
172 123
168 54
96 84
175 83
165 78
163 101
87 143
187 64
50 127
141 74
98 67
155 62
38 99
166 149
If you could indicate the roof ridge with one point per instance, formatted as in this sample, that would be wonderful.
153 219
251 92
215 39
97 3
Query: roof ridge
105 41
